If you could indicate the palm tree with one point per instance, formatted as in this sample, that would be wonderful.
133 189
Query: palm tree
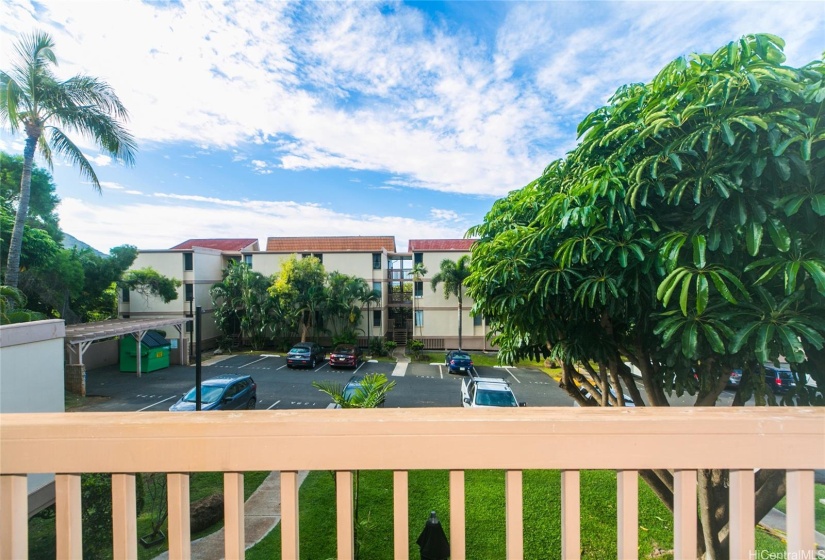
453 274
418 271
368 297
32 99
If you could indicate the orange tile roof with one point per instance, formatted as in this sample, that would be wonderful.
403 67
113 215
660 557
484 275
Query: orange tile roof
219 244
330 244
440 244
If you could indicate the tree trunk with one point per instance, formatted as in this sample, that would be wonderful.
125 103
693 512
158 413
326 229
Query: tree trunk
16 242
459 320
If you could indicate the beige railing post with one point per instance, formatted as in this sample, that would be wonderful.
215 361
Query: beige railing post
290 542
627 514
800 508
343 500
68 515
457 516
514 515
177 490
233 516
742 504
570 515
684 515
400 515
14 519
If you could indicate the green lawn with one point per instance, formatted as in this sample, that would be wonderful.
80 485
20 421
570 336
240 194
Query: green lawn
485 533
42 540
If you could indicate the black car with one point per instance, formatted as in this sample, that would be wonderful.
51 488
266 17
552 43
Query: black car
458 361
228 391
345 355
305 354
779 380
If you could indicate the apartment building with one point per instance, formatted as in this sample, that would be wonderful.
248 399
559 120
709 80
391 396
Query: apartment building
408 309
198 264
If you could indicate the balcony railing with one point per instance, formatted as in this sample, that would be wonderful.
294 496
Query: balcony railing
569 439
403 297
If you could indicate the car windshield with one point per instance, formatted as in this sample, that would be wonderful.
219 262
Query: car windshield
461 357
495 398
209 394
345 350
351 390
299 350
784 374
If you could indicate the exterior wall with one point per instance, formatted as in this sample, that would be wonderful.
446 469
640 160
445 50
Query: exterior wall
101 354
268 263
31 380
167 263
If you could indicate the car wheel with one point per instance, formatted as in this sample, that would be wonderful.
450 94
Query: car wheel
251 404
313 363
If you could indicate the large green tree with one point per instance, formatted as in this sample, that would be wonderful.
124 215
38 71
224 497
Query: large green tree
684 235
46 109
453 274
300 290
243 306
43 199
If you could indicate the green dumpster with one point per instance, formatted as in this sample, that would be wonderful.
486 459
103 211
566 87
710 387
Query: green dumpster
154 353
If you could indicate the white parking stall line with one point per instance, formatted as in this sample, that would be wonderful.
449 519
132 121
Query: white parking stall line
440 371
322 367
400 369
280 368
274 404
255 362
511 374
157 403
359 367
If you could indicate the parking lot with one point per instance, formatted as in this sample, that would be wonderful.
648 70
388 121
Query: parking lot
279 387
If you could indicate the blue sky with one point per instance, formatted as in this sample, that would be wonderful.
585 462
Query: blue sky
259 119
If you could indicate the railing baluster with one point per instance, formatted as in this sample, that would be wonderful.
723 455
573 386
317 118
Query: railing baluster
742 503
14 519
800 508
627 514
401 515
124 516
177 489
515 521
343 501
457 516
233 515
684 515
68 516
289 516
570 516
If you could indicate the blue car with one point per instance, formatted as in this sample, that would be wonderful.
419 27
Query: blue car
229 391
458 361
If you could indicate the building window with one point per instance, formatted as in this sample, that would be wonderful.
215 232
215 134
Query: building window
247 259
376 261
189 291
187 261
419 289
376 286
376 318
319 256
418 258
477 320
419 318
125 295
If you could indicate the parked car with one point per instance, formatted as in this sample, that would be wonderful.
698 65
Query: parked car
458 361
345 355
779 379
627 400
735 379
354 385
482 392
305 354
228 391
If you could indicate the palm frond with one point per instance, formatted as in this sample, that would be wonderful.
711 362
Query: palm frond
68 149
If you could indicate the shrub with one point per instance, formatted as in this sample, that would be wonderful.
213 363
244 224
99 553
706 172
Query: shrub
377 347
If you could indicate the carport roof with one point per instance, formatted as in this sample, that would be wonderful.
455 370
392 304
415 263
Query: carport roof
88 332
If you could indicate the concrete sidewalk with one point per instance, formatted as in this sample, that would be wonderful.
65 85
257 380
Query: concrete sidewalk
777 523
262 512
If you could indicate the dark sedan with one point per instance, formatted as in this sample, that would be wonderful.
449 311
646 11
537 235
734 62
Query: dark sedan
304 354
458 361
345 355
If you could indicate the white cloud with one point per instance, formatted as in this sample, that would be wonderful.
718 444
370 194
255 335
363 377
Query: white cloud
260 167
164 224
112 185
135 192
439 214
381 87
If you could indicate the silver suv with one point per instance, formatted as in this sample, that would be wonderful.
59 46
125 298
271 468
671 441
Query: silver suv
482 392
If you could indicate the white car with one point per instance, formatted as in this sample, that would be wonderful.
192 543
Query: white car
482 392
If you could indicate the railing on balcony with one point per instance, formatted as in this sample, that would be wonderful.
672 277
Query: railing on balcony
569 439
